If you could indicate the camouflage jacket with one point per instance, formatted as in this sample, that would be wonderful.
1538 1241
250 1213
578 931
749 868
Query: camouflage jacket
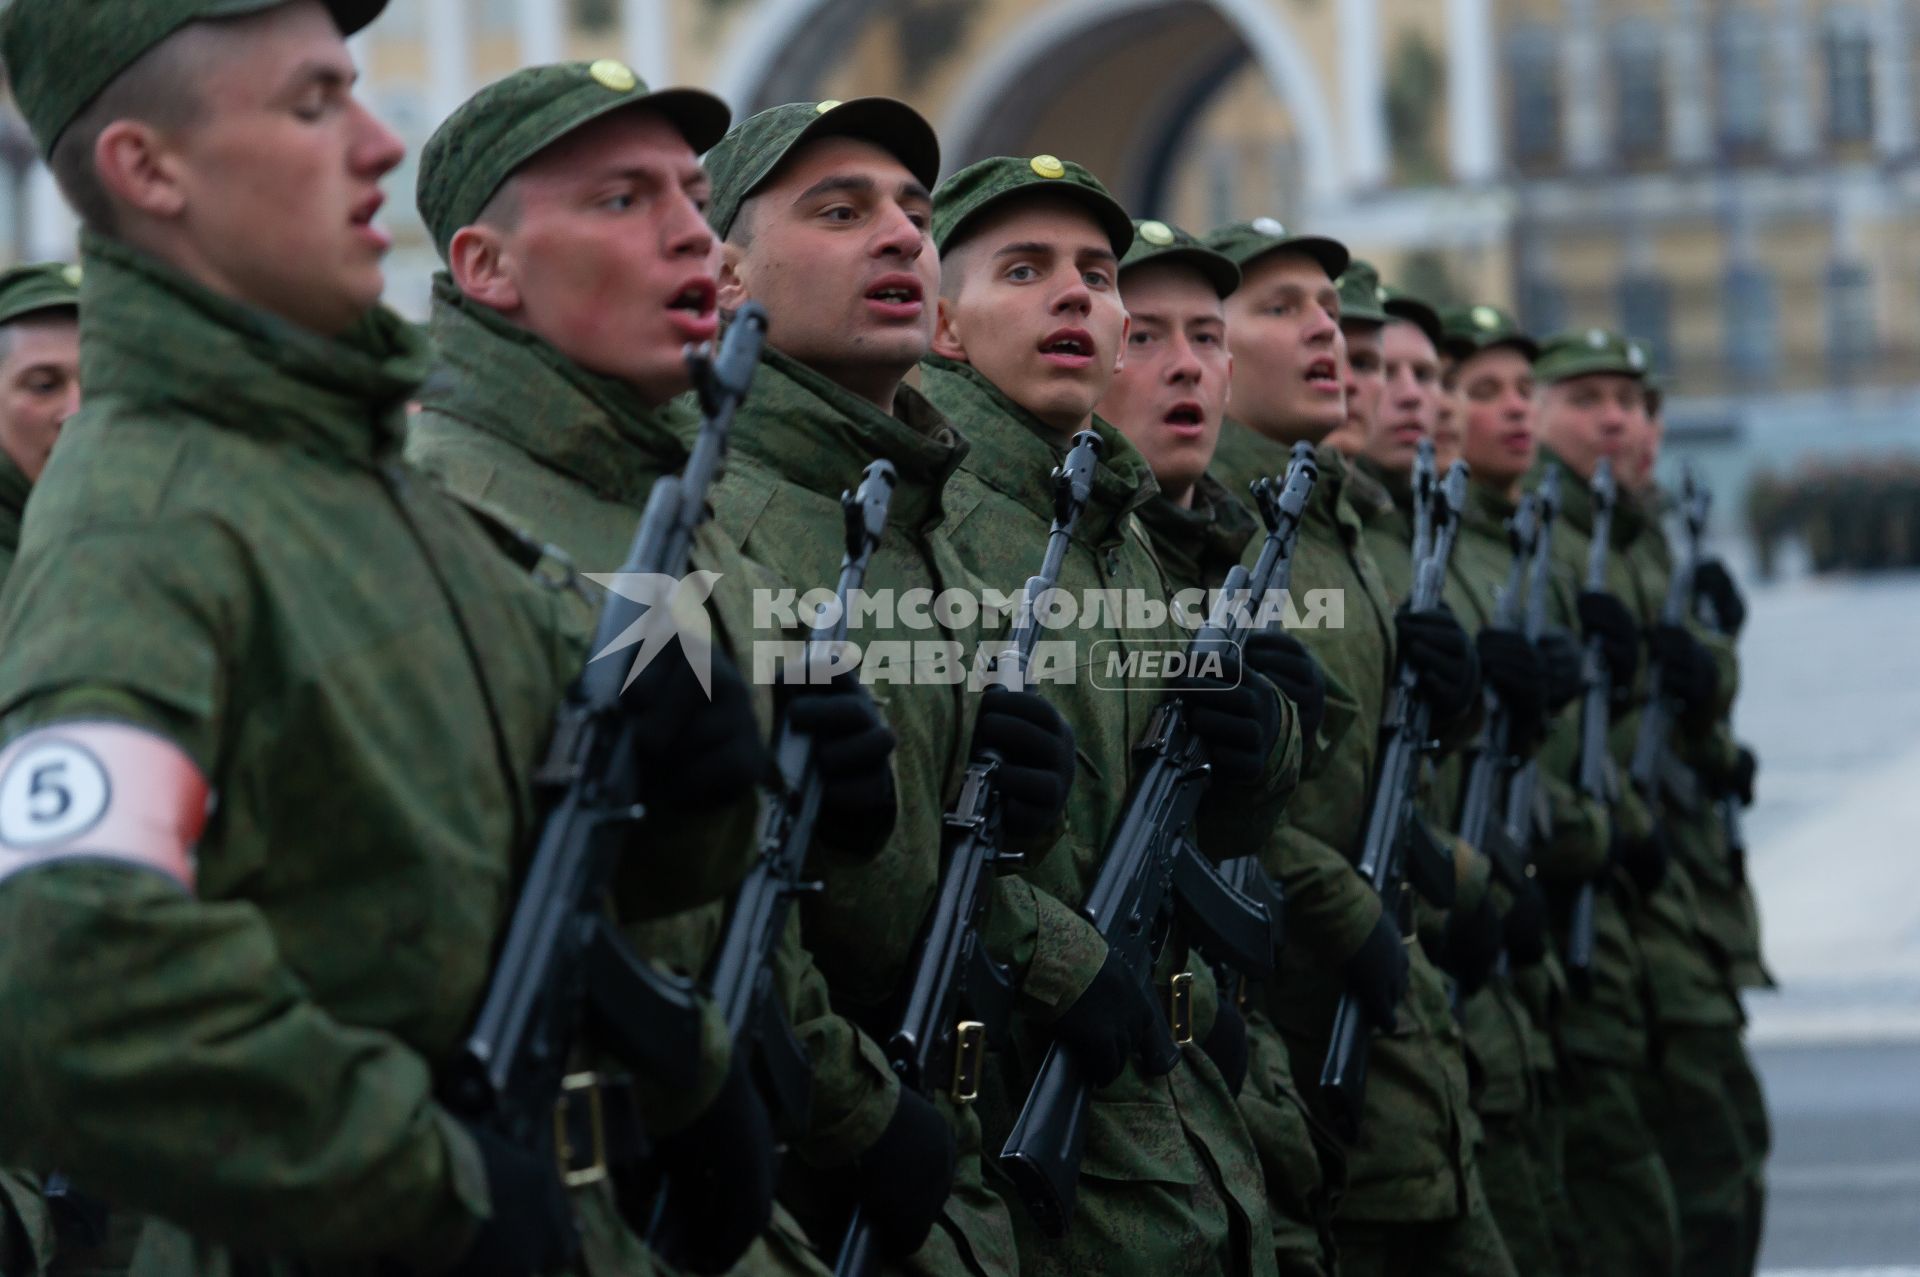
14 487
509 423
227 555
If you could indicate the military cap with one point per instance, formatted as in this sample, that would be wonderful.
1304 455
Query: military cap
988 184
1401 304
1586 351
1472 329
747 156
512 120
1157 241
1247 242
1362 300
27 290
60 54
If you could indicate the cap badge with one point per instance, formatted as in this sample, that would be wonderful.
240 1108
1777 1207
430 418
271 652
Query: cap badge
72 275
1268 226
823 107
1047 166
1486 318
1636 357
1597 338
1157 233
609 74
1380 295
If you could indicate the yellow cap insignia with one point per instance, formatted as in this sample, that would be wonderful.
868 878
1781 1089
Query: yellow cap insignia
1486 318
1047 166
828 105
72 275
1268 226
609 74
1156 233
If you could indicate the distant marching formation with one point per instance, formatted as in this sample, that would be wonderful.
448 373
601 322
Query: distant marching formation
789 731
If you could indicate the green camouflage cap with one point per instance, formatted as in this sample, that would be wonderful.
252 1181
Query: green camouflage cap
990 183
1246 242
1587 351
1362 300
512 120
25 290
1157 241
747 156
1401 304
60 54
1472 329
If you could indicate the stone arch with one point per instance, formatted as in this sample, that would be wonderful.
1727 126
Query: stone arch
776 33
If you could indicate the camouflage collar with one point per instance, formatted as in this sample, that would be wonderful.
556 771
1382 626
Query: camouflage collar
513 385
1487 510
1243 455
1197 544
148 335
1398 487
1014 452
815 432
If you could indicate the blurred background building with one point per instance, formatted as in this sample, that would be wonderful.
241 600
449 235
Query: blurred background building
1732 180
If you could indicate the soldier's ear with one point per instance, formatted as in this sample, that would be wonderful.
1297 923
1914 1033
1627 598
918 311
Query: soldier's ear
138 169
947 342
732 281
1120 352
482 267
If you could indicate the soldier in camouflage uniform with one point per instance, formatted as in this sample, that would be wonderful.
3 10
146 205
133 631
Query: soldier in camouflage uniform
1589 396
1701 1095
281 700
1170 401
1413 1200
1031 327
1361 321
39 382
825 209
555 414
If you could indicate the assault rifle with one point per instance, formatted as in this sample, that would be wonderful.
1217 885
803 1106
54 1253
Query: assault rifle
1655 771
1597 780
564 965
1152 875
1393 825
959 1000
1726 805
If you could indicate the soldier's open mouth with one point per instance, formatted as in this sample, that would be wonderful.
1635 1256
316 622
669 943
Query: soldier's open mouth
697 297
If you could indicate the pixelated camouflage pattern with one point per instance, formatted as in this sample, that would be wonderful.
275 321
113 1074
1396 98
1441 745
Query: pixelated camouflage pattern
227 550
1564 356
60 54
799 441
1247 242
570 457
1171 1179
513 119
1471 329
36 287
1157 241
755 147
987 184
1360 294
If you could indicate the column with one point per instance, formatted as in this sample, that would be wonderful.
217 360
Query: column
1892 93
1472 100
1363 93
1793 116
1583 86
449 43
542 31
1689 119
649 30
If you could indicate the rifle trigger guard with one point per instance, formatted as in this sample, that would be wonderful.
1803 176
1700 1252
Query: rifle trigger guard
1180 1007
595 1168
969 1060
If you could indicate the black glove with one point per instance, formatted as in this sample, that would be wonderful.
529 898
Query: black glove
1745 767
722 1172
853 750
1524 928
904 1179
1712 582
1686 668
1226 1045
1511 665
1442 656
1472 943
1286 663
1035 746
1560 657
1644 859
531 1230
1606 618
1237 717
1377 973
693 752
1114 1018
